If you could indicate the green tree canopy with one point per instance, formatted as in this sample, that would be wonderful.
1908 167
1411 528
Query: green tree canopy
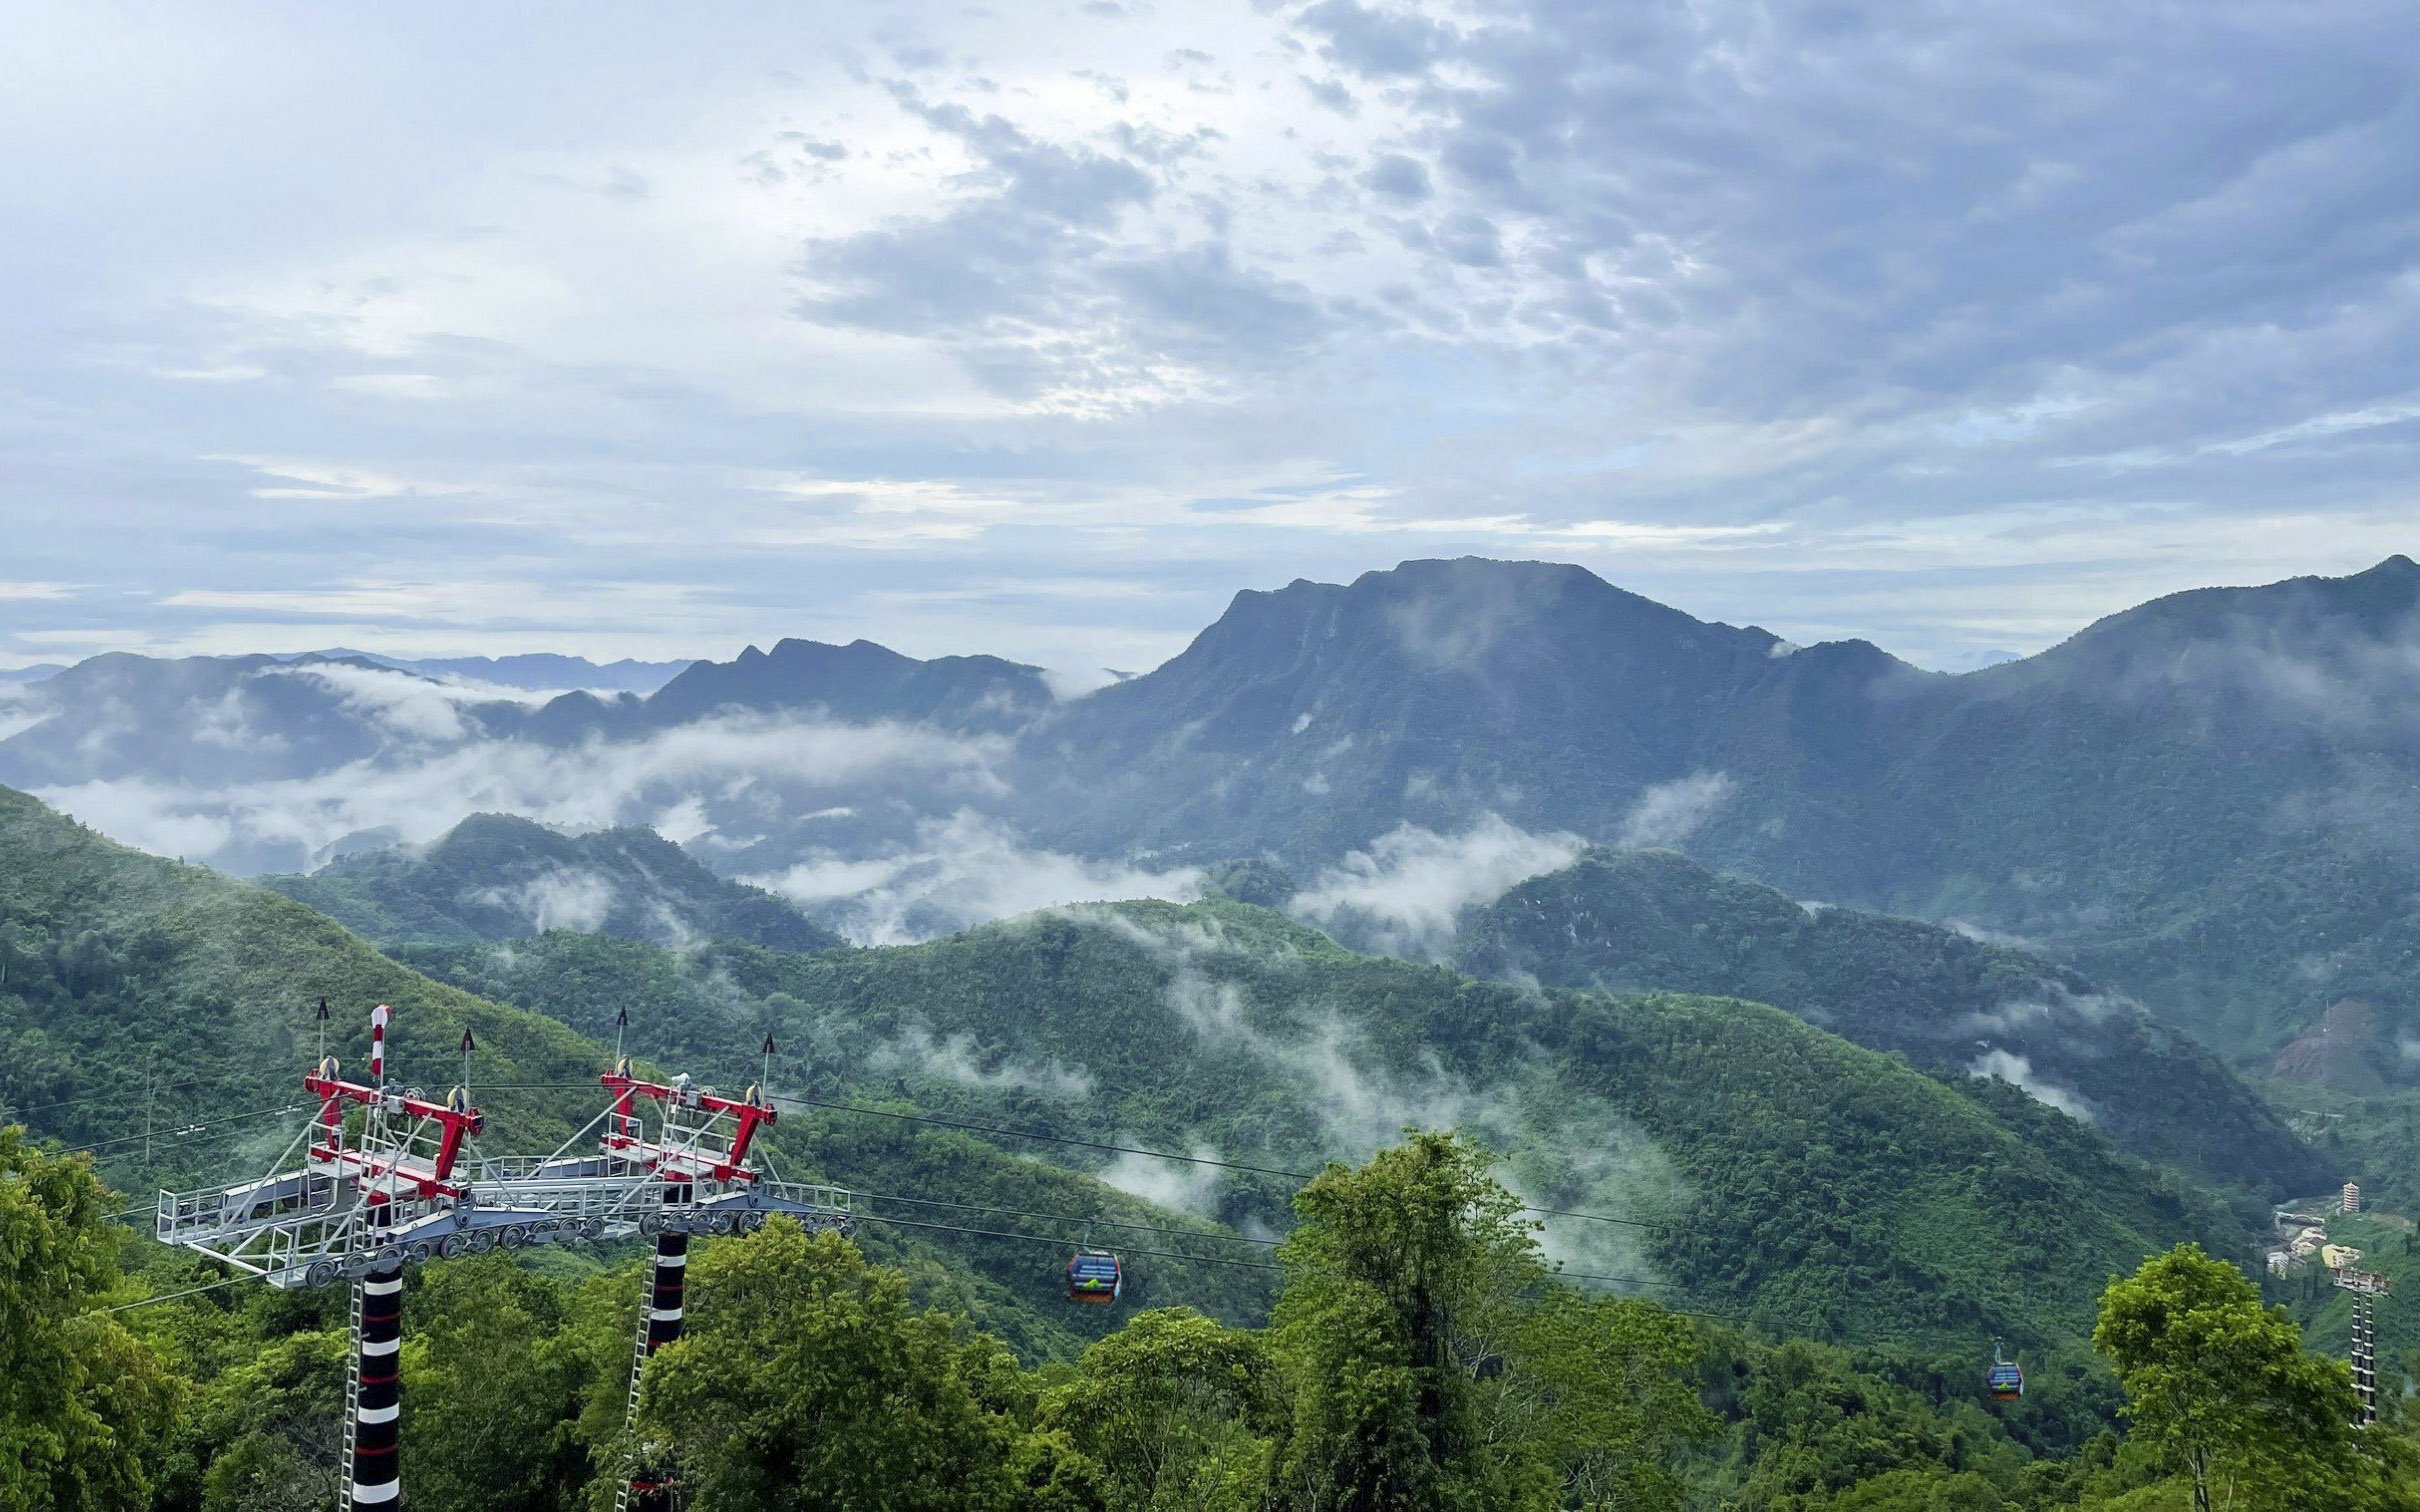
1435 1365
808 1380
1178 1411
81 1399
2221 1387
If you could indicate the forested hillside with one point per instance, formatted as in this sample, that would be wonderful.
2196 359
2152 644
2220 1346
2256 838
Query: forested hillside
2207 802
1763 1168
497 877
1782 1183
163 1015
1631 920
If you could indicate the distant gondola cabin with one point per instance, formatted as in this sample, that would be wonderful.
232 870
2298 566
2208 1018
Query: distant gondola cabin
2006 1382
1094 1276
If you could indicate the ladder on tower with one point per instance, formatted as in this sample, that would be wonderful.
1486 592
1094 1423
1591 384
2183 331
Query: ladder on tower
352 1400
638 1365
2367 1287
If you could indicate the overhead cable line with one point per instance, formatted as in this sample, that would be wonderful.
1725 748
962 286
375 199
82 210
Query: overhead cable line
1119 1149
15 1110
1212 1237
1057 1243
182 1130
952 1228
176 1296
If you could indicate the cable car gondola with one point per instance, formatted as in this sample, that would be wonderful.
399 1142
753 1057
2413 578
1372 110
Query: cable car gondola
2004 1380
1094 1276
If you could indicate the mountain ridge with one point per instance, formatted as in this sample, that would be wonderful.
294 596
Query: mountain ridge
2211 801
1952 1004
499 877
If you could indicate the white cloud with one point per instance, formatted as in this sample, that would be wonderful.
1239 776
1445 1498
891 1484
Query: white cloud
960 871
960 1058
404 704
1407 891
2053 1005
1171 1184
2017 1071
1670 812
419 795
1012 296
578 901
21 708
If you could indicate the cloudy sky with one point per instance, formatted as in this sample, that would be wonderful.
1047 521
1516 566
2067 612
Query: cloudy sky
1042 328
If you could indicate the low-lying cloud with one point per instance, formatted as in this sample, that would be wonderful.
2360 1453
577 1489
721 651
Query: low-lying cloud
1406 893
405 704
960 1058
2053 1008
1173 1184
579 901
2018 1072
959 871
748 764
1670 812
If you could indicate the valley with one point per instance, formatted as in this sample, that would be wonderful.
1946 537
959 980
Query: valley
1655 979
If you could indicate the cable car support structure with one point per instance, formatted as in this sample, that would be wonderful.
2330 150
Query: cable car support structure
383 1178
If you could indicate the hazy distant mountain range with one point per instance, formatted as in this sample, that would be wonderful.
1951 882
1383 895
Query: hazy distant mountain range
539 672
2211 801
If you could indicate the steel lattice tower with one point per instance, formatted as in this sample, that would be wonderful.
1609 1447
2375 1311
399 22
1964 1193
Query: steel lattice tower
2367 1287
381 1179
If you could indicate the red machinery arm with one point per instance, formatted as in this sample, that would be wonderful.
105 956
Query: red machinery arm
455 1125
622 1136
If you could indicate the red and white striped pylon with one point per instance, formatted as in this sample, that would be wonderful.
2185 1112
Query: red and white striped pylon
378 1045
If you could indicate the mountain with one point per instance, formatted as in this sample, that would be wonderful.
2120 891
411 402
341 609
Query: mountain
164 1014
1641 920
29 674
2345 1051
535 672
1310 720
2211 801
1754 1164
228 719
496 877
859 682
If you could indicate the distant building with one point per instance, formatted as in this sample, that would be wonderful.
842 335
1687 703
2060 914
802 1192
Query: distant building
2352 1197
2338 1256
2280 1261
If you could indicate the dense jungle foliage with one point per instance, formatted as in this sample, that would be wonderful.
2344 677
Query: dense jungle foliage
1771 1172
1949 1002
1815 1242
1420 1356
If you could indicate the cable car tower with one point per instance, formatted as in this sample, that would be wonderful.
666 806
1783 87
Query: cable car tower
689 1149
378 1184
381 1178
2366 1287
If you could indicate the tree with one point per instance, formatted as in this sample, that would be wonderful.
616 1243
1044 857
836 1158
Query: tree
496 1386
1603 1387
2220 1386
1178 1412
808 1380
81 1400
1436 1366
